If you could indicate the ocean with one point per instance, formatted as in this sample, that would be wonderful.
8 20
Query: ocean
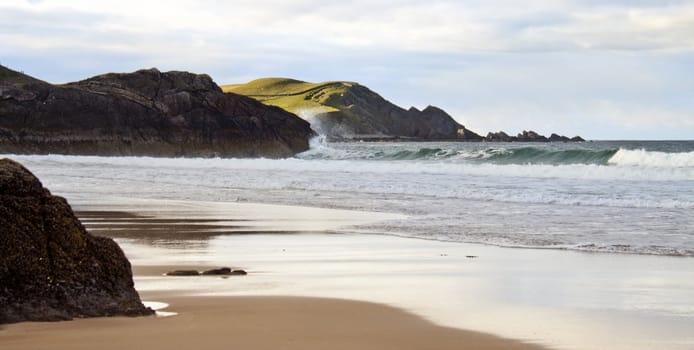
632 197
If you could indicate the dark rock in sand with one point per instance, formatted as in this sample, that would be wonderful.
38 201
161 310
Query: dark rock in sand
145 113
224 271
183 273
220 271
50 267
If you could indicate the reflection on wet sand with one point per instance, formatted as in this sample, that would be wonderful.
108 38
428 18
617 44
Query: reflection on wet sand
645 301
165 232
189 225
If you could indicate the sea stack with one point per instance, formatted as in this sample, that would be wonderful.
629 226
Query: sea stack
50 267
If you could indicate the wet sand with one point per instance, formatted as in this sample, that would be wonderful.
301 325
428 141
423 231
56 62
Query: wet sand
304 264
255 323
224 322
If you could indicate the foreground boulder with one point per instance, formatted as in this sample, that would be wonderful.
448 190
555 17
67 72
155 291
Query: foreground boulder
50 267
145 113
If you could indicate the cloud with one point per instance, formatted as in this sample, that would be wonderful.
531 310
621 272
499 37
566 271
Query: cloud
408 26
623 29
640 119
495 64
563 92
598 120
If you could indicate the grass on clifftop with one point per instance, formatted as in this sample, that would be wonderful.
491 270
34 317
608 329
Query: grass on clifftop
12 76
289 94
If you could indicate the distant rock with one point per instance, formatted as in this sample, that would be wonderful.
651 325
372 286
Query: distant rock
348 110
145 113
558 138
529 136
498 137
50 267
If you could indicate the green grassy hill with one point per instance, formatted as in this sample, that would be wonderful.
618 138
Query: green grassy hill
291 95
346 110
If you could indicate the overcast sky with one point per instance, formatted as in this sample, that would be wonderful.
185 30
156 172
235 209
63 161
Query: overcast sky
603 69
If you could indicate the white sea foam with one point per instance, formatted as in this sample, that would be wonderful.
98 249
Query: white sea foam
157 306
642 157
571 171
640 202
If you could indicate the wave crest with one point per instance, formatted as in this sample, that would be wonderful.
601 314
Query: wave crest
641 157
531 155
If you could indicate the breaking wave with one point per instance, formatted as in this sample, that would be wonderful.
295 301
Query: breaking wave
617 197
506 156
642 157
532 155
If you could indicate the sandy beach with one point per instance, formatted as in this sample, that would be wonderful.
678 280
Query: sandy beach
255 323
312 284
222 322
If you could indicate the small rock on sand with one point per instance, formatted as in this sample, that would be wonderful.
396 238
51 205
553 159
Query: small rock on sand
183 273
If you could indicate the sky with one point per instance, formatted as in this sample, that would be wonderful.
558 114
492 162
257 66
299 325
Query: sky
602 69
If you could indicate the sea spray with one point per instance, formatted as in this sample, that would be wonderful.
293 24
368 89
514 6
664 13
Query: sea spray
311 116
315 117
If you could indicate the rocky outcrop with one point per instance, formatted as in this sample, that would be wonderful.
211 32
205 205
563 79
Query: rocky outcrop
529 136
562 138
362 112
499 137
145 113
347 110
50 267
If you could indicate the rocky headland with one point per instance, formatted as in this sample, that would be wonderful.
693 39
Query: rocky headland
50 267
348 110
145 113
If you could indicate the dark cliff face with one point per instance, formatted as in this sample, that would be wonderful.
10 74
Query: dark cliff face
364 112
50 267
147 113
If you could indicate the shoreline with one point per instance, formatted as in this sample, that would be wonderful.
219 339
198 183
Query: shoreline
557 298
248 321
